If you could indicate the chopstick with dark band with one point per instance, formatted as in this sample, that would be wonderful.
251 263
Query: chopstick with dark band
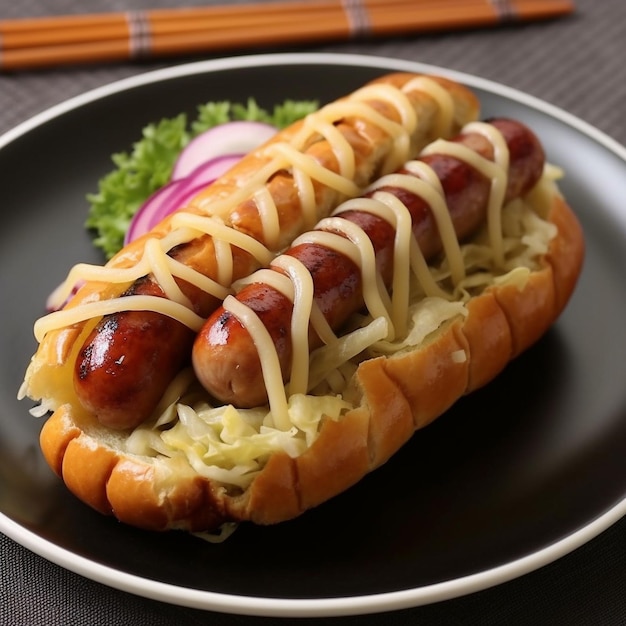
105 37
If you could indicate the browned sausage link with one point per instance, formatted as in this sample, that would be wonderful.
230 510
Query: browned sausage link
224 357
130 357
115 377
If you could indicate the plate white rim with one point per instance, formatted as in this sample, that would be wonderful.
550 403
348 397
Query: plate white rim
305 607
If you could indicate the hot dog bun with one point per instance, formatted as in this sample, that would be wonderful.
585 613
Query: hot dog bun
228 230
390 397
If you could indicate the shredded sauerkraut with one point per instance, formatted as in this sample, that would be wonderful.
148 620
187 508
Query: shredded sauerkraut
232 445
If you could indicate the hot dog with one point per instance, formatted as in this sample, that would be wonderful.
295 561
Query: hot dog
442 331
128 331
224 355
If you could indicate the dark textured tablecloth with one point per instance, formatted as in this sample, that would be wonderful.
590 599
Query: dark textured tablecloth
577 63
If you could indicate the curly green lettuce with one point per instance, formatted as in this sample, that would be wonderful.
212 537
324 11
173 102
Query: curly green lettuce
148 166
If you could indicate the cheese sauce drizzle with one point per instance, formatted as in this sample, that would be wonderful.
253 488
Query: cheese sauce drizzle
207 213
349 239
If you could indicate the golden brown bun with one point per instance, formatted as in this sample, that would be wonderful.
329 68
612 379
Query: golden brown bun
151 493
49 377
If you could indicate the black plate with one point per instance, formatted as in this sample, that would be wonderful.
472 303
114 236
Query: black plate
511 478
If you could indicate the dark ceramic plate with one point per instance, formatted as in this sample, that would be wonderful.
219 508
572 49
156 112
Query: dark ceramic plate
511 478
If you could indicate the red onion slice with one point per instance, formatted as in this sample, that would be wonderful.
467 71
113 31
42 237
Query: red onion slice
176 194
205 158
154 209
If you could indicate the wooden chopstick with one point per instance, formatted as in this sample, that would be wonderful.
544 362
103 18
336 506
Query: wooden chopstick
73 39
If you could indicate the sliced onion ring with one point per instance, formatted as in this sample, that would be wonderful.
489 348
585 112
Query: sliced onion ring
175 194
230 138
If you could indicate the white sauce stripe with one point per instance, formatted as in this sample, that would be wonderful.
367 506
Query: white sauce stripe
159 266
398 99
375 298
92 310
433 196
500 148
499 184
353 108
218 230
221 206
268 277
496 171
400 218
269 216
386 206
303 305
269 360
223 261
316 171
401 132
306 195
342 149
333 241
444 100
208 285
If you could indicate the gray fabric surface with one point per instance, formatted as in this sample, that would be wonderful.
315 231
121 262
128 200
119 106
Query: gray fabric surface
577 63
